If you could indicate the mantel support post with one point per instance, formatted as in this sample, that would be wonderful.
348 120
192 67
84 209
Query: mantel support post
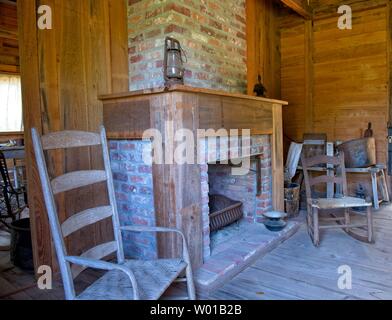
277 159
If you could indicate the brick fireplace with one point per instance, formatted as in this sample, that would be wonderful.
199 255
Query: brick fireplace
135 191
174 194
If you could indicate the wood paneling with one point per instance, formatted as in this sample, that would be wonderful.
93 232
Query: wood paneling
293 77
127 119
263 46
63 72
389 57
9 47
337 80
350 78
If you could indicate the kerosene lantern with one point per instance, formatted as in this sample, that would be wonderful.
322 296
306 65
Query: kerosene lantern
173 62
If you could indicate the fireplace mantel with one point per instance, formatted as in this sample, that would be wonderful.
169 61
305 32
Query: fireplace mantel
177 194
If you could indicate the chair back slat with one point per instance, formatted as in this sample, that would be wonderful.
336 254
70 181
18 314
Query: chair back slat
85 218
337 178
70 139
77 179
325 179
98 253
321 160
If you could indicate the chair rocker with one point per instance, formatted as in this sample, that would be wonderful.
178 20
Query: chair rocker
362 231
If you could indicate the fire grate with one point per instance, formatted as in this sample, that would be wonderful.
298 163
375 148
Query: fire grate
223 211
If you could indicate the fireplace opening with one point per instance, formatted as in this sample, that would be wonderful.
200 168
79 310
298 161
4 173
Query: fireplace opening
230 202
234 200
223 211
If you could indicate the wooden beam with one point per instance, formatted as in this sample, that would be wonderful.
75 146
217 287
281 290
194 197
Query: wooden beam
309 76
277 160
327 10
301 7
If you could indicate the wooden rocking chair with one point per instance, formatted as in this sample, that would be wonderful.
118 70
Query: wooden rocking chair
341 201
10 204
126 279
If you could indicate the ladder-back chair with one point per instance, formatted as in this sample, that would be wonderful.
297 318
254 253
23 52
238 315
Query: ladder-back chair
314 173
126 279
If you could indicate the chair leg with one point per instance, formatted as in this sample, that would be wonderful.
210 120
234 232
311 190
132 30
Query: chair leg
316 230
190 283
347 219
370 224
375 191
309 221
385 187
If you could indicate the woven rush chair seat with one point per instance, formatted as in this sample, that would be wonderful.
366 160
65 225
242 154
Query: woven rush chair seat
115 285
340 203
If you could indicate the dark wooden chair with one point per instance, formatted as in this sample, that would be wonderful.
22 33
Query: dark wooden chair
315 175
10 197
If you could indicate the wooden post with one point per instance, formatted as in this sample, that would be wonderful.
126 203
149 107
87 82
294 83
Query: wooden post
277 159
62 75
309 77
263 41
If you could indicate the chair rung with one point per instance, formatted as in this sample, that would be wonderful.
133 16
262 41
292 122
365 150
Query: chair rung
77 179
343 226
181 280
332 219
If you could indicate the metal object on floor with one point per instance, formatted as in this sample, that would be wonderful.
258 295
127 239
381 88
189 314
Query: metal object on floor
224 211
21 250
275 221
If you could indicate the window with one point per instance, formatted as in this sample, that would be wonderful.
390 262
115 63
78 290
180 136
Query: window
10 103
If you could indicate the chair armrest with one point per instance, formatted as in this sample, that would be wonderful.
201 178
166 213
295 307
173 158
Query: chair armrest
161 230
103 265
151 229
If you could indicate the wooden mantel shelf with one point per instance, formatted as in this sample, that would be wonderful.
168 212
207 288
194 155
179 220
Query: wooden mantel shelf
188 89
128 115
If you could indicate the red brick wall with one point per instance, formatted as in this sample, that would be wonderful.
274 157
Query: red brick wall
212 32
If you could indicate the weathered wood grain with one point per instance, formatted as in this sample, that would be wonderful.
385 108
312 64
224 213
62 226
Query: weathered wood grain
62 76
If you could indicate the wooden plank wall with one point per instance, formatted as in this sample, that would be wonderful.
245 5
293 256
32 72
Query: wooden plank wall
263 46
9 48
293 80
63 71
337 80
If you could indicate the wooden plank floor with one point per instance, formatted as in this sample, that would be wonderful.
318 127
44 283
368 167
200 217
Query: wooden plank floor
295 270
298 270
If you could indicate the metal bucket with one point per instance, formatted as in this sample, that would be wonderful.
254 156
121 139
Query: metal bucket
359 153
21 247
